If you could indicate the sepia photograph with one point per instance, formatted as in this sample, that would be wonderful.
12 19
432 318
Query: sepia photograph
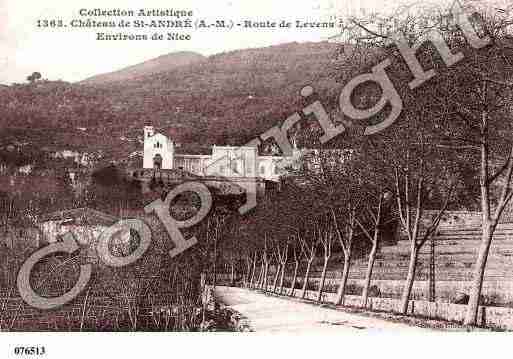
336 169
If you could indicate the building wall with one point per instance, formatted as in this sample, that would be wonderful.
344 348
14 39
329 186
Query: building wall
195 164
225 161
157 144
232 161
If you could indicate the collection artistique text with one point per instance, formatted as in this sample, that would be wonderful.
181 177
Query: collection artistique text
177 13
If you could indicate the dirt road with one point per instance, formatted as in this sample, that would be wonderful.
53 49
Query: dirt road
268 313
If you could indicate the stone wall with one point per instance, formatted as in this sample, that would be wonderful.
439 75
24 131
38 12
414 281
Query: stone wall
455 252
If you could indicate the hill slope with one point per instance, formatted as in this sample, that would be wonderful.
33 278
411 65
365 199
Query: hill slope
160 64
227 98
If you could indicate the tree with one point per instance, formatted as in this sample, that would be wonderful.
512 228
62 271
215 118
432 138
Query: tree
368 172
493 105
230 253
251 262
308 249
272 225
345 235
326 182
375 218
421 177
277 266
260 283
325 234
411 184
468 101
265 264
296 257
216 224
36 76
282 250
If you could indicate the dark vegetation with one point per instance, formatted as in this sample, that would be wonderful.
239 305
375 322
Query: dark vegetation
227 98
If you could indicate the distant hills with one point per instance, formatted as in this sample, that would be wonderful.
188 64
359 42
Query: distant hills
226 98
160 64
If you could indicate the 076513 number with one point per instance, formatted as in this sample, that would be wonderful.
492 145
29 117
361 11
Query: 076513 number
22 351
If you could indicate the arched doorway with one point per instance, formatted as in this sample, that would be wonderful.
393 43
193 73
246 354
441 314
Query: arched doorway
157 162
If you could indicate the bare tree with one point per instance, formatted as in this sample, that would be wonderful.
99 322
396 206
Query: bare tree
374 237
277 266
325 181
326 237
345 235
308 250
473 99
266 261
282 251
296 257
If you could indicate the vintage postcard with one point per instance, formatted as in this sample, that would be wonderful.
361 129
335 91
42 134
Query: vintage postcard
332 168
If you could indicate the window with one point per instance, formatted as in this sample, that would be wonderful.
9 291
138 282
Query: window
157 145
276 170
221 169
262 170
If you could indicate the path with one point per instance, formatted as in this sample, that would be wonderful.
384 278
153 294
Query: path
270 313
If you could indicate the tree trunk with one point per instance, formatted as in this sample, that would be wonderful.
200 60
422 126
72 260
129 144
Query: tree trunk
261 276
276 275
254 278
305 279
323 279
487 226
266 274
293 284
368 274
478 276
253 270
282 277
214 274
232 274
410 278
247 276
343 281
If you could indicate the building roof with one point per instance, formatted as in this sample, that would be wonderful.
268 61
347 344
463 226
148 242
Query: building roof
85 215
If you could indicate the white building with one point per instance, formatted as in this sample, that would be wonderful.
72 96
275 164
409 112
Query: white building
226 161
158 150
86 225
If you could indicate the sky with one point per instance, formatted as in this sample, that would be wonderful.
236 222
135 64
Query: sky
75 54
